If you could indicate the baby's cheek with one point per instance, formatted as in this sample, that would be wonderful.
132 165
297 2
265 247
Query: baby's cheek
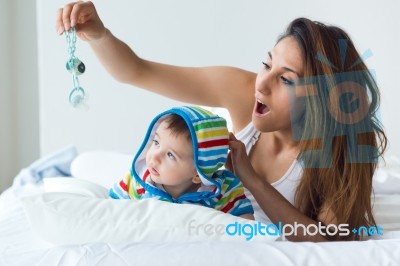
147 158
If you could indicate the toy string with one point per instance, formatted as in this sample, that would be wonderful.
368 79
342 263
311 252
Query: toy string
77 96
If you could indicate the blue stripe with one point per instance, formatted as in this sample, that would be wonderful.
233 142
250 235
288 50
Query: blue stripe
210 163
119 192
237 211
207 153
187 112
112 194
221 158
115 195
199 115
235 184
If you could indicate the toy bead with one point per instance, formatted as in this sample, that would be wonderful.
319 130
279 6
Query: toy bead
75 66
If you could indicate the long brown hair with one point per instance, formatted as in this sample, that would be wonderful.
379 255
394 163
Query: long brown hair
340 139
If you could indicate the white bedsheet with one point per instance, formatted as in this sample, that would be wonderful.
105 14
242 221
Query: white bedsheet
20 245
382 252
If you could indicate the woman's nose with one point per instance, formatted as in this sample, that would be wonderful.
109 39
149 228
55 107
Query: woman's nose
264 82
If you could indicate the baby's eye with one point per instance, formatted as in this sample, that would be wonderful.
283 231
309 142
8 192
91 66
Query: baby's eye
155 142
171 156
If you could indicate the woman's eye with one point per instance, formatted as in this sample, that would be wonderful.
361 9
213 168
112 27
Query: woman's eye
266 65
287 81
171 156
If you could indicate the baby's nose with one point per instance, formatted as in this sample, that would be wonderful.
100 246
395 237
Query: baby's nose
156 157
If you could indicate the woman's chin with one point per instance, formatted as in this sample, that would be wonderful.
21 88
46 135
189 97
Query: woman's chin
260 125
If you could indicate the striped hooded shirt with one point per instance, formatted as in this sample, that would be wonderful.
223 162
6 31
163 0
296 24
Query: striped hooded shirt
220 188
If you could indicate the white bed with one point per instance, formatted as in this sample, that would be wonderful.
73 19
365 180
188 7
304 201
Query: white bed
72 224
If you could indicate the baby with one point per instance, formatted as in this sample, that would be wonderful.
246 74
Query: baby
179 161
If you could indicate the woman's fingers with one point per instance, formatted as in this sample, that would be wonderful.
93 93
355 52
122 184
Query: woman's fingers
83 16
66 16
232 136
228 163
238 161
82 12
75 12
236 155
236 146
59 23
72 14
63 18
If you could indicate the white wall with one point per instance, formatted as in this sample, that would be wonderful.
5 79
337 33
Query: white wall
193 33
6 154
19 113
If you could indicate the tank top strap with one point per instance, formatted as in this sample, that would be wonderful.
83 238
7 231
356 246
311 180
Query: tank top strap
249 136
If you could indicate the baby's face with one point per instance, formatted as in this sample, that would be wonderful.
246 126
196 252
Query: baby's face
170 158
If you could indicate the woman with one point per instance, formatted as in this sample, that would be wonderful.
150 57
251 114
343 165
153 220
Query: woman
309 137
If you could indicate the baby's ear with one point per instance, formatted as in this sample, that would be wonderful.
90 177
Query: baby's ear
196 179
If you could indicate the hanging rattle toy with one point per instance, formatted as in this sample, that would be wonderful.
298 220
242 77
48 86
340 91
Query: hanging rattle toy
77 96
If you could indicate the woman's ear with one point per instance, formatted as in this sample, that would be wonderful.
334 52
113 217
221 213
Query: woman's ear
196 179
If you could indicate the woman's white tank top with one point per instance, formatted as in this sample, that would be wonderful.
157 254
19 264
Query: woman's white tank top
286 185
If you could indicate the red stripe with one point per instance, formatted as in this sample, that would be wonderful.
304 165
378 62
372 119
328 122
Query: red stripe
123 185
232 203
146 174
141 190
213 143
219 196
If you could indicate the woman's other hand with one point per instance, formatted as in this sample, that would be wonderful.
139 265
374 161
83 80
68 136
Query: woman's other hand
83 16
238 161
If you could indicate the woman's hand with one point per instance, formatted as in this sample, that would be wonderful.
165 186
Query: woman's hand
83 16
238 161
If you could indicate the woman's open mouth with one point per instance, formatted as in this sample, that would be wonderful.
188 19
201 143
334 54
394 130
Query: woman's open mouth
261 108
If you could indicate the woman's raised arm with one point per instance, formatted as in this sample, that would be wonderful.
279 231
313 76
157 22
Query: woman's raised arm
217 86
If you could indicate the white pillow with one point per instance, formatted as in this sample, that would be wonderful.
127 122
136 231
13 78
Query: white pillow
78 212
101 167
386 210
75 186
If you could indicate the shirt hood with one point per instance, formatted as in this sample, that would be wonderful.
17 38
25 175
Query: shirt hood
210 139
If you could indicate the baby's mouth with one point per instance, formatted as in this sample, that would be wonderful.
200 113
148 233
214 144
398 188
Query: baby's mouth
261 108
154 172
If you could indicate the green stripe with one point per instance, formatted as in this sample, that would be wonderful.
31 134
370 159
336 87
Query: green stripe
202 111
228 181
210 124
228 196
135 194
209 170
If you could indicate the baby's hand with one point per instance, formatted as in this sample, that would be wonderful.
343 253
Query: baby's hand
83 16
